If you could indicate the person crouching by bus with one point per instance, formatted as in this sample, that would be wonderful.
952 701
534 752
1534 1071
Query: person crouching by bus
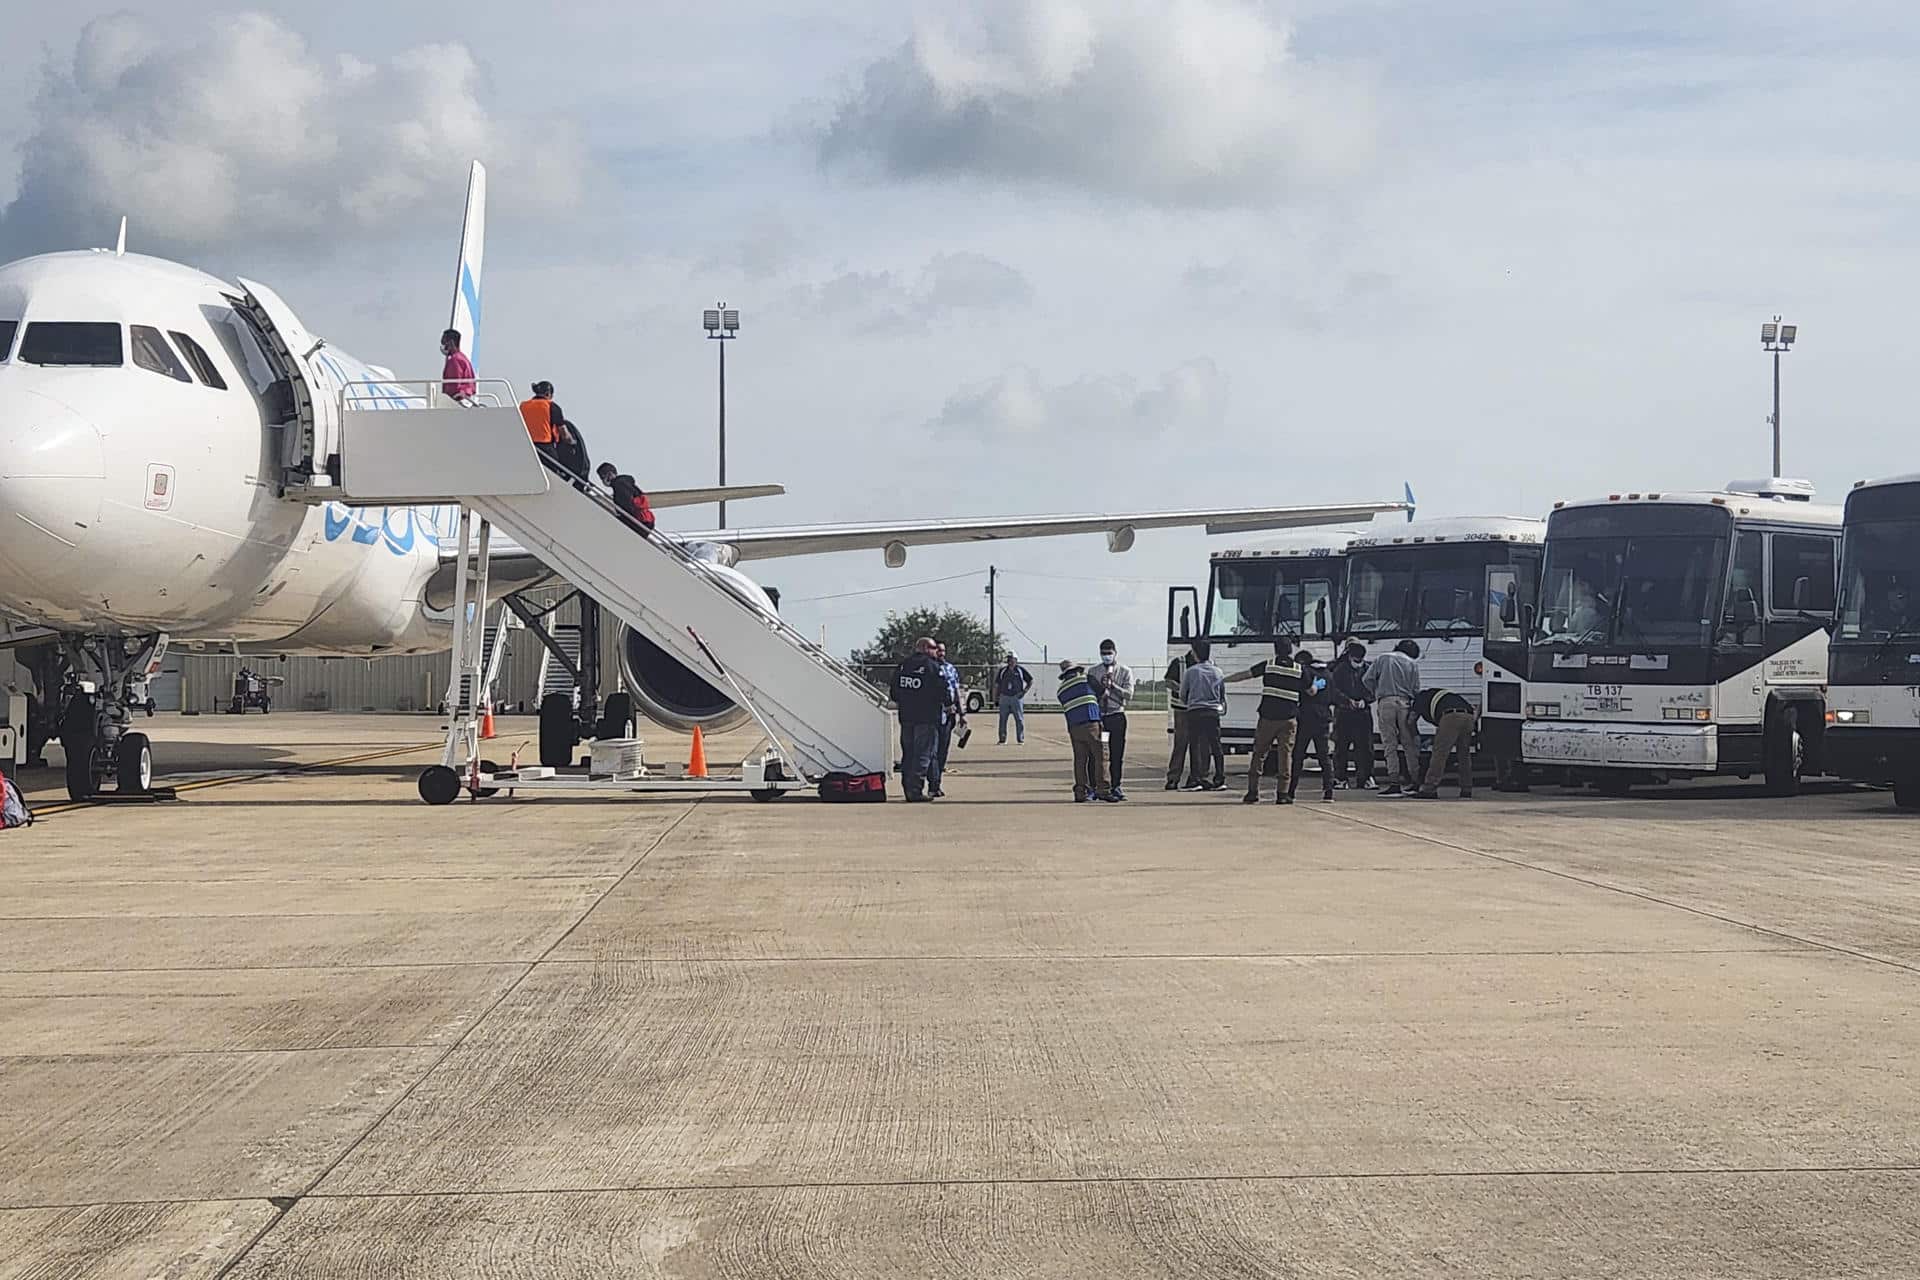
1453 721
1204 690
1081 707
1176 700
1316 718
1394 681
1281 685
1352 716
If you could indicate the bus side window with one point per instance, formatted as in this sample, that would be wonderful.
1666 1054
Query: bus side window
1803 574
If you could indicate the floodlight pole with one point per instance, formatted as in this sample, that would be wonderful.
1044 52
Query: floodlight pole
1776 423
1777 339
722 323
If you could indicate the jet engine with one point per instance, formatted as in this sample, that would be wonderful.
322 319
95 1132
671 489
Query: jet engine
672 693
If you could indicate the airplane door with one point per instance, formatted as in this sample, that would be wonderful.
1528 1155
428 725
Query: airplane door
316 396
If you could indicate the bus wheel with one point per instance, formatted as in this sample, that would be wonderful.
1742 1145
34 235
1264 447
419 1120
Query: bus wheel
1906 792
1783 752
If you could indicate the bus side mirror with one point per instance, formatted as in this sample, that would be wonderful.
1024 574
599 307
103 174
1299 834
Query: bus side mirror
1509 609
1802 592
1746 609
1320 617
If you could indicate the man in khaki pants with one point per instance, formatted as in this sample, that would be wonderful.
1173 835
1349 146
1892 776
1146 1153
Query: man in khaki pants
1281 683
1453 721
1394 681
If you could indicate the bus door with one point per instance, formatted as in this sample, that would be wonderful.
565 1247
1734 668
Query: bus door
1183 619
1183 628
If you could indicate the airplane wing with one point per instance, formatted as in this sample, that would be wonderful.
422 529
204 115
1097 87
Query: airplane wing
512 568
661 499
894 537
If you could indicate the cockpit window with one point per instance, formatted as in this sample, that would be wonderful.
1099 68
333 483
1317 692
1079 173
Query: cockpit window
151 352
197 357
7 330
73 342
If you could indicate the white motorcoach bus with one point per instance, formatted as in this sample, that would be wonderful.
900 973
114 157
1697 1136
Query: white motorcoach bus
1683 635
1285 585
1446 585
1873 694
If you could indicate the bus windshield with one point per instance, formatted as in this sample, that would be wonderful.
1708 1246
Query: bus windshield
1880 584
1646 591
1422 590
1264 599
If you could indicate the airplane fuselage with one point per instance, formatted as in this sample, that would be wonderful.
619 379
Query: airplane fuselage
140 496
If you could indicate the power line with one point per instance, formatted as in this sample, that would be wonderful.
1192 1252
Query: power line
1015 622
1069 577
897 586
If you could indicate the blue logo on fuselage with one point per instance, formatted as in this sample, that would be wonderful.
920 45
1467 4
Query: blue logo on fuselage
396 528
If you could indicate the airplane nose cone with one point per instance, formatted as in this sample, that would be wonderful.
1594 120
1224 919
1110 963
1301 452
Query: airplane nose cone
52 473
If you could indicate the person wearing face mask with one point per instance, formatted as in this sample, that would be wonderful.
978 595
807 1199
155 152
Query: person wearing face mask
1113 684
1352 716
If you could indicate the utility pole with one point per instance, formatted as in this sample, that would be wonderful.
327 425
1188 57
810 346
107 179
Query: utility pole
721 323
1777 338
992 606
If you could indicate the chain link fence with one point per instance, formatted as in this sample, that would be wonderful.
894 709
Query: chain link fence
976 686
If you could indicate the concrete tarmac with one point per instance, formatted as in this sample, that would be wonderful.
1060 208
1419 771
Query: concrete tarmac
300 1024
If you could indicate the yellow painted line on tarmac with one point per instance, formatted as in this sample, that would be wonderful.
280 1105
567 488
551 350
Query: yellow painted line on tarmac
68 806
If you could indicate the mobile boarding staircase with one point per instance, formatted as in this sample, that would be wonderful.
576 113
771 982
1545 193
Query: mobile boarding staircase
417 450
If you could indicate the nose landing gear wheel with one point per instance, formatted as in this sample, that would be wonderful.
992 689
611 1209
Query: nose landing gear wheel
76 739
134 764
559 733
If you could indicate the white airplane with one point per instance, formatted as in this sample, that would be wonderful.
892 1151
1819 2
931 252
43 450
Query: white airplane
163 471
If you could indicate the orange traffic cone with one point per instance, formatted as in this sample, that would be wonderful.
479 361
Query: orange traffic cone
486 721
697 760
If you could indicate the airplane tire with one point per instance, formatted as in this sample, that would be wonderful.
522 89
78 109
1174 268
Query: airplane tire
76 738
1782 753
439 785
616 717
559 735
133 764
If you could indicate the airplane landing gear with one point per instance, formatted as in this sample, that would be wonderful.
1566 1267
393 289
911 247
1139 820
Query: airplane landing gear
106 683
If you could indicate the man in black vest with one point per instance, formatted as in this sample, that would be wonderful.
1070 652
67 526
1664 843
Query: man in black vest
920 696
1281 684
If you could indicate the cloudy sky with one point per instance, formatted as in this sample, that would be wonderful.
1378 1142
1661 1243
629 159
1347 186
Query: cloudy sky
1052 255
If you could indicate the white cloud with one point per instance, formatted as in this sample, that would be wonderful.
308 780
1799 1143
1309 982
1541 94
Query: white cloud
949 285
246 135
1191 396
1179 102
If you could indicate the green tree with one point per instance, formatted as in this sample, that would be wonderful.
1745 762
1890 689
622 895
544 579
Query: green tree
969 644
